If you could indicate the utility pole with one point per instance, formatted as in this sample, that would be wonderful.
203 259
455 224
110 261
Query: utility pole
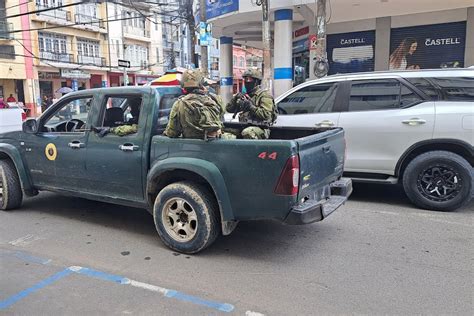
204 56
266 38
320 65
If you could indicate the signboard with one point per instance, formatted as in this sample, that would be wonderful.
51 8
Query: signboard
428 46
301 31
351 52
74 74
300 46
205 36
215 8
124 63
313 41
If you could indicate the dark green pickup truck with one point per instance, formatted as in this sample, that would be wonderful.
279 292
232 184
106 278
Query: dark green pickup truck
195 189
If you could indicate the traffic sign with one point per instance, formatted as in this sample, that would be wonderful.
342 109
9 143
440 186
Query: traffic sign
124 63
313 42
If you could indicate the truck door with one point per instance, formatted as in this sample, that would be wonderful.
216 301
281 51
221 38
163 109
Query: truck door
56 154
115 160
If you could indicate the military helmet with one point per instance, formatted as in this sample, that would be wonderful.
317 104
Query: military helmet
192 78
254 73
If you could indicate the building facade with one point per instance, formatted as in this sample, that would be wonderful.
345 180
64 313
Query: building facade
46 45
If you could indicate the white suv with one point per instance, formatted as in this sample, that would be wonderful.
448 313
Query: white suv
411 127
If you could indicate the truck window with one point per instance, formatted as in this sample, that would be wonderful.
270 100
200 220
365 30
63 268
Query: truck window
317 98
165 102
70 117
120 110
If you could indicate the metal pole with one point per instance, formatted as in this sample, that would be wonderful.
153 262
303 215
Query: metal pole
321 63
267 59
204 56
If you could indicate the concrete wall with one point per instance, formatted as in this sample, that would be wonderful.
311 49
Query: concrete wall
469 57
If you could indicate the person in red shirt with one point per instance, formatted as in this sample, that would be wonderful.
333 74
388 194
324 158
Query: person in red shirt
11 98
3 105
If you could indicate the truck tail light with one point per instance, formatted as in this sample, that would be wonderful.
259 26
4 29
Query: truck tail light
23 116
288 183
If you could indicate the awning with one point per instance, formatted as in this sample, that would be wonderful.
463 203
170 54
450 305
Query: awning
173 79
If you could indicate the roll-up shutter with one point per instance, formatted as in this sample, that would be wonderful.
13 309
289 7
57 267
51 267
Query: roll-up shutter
351 52
428 46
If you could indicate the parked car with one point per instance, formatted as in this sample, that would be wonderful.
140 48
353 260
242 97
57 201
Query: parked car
415 128
196 189
11 118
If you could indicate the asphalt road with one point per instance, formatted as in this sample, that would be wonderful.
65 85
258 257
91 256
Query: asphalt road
376 255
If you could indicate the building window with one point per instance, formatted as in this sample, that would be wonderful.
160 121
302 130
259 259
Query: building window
234 60
241 62
7 51
87 48
50 42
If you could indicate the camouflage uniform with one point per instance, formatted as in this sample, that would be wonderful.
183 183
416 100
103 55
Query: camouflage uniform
197 113
263 112
124 130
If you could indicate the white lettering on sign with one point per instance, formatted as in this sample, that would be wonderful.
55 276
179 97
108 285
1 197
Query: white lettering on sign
443 41
352 41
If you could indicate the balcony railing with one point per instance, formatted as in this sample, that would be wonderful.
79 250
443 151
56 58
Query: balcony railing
89 20
58 14
59 57
89 60
5 30
135 31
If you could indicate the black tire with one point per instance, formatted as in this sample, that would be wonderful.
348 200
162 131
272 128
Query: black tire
438 180
11 194
203 209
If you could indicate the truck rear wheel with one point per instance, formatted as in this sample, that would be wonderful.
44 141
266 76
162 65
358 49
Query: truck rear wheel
186 217
438 180
11 195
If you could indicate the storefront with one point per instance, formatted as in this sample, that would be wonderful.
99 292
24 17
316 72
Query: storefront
428 46
115 79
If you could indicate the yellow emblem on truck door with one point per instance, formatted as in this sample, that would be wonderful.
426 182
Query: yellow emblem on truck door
51 152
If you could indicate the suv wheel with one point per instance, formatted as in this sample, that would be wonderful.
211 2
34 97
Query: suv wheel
11 195
438 180
186 217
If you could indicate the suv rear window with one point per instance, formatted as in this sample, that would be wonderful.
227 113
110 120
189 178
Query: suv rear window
456 88
380 94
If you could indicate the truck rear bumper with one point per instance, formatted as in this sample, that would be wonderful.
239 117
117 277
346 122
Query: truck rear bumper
313 211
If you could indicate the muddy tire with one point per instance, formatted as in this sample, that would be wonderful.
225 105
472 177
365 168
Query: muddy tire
438 180
186 217
11 195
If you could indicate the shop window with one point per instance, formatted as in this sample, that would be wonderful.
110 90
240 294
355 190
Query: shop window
318 98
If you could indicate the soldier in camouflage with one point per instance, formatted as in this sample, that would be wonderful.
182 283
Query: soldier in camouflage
198 114
257 107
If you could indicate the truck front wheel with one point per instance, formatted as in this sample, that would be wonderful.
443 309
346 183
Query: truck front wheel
11 195
186 217
438 180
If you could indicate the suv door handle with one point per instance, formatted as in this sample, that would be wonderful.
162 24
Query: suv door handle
128 147
414 121
325 123
75 144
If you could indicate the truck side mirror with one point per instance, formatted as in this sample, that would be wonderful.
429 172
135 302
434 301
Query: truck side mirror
30 126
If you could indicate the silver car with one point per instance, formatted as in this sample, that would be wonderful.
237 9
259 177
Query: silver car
413 127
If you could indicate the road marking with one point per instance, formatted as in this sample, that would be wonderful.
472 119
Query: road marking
149 287
29 258
250 313
38 286
100 275
24 240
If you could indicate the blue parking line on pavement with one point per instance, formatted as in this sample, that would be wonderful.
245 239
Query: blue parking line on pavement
100 275
15 298
224 307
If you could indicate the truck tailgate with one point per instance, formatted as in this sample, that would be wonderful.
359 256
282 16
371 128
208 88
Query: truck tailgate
321 163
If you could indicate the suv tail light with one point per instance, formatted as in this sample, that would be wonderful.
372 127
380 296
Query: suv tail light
23 116
288 183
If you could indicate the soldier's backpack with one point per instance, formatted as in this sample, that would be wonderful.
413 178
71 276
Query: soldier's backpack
203 113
